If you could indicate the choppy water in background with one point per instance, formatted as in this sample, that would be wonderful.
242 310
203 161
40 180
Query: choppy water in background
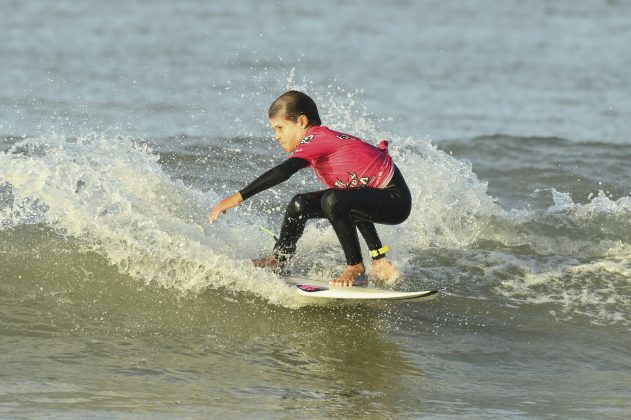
122 123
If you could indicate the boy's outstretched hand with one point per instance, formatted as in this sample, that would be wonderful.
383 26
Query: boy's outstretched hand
225 204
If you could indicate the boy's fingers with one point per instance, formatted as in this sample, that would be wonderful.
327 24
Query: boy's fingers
214 215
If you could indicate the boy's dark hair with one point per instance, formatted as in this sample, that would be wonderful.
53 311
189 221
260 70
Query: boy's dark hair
293 104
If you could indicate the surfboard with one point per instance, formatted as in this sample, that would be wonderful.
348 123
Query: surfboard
323 290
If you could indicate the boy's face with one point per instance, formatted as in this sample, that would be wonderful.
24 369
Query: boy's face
289 133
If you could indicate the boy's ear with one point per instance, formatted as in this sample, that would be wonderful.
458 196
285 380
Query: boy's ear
303 121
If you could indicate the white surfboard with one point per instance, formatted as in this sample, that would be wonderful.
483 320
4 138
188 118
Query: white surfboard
323 290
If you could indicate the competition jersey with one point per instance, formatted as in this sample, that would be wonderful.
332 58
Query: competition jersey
344 161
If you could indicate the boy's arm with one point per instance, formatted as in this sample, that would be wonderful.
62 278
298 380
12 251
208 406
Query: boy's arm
269 179
274 176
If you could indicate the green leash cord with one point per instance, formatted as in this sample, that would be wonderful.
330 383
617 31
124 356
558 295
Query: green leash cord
269 232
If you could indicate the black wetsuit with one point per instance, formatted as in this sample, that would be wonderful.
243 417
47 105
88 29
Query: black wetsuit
345 209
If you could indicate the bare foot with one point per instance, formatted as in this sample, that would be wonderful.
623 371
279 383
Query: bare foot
384 272
265 262
354 275
278 267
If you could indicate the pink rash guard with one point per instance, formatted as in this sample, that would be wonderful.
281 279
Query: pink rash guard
344 161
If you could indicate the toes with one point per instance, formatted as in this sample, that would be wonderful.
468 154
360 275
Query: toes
357 281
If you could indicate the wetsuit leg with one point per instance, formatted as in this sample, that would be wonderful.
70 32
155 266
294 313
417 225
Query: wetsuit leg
345 207
301 208
369 232
337 209
307 206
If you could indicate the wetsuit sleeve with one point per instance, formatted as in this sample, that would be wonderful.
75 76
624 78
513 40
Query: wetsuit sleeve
274 176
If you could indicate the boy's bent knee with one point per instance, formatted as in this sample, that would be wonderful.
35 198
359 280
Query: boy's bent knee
298 205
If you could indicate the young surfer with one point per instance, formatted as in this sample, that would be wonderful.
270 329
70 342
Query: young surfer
364 187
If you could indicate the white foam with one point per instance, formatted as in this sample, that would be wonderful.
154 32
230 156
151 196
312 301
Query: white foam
112 195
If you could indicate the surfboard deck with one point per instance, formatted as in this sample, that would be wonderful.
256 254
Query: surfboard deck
323 290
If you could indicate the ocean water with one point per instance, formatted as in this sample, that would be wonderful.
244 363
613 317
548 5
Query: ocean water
122 123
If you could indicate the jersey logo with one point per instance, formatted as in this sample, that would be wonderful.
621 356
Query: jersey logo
346 137
353 181
307 139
